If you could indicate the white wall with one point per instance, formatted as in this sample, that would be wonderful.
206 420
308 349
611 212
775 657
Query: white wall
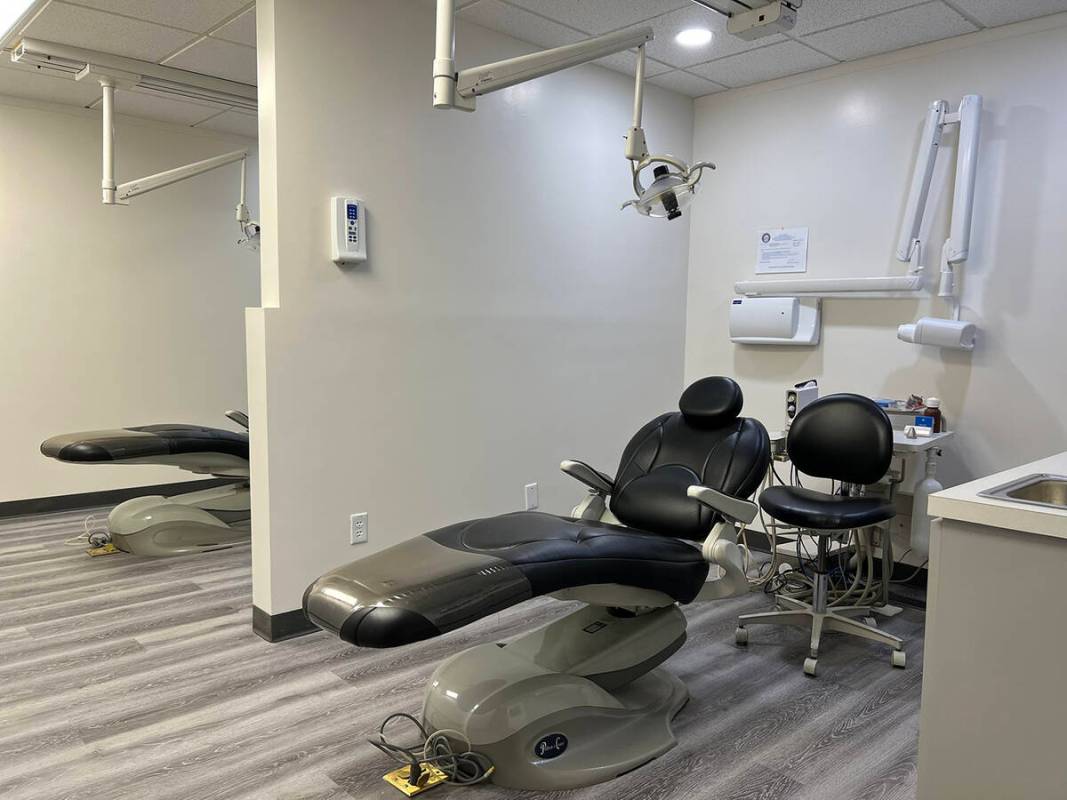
833 150
112 316
509 316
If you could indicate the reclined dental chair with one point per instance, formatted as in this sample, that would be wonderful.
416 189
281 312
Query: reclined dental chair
581 700
195 522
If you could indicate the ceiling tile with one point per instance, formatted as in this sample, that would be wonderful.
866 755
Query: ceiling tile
1001 12
241 30
96 30
627 63
910 26
199 16
520 24
817 15
29 82
664 48
600 16
765 64
686 83
221 59
233 122
164 109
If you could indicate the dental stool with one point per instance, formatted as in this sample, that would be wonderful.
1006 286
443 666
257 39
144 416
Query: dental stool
847 438
583 699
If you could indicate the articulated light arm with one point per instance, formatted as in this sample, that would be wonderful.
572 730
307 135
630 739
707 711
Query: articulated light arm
674 183
454 89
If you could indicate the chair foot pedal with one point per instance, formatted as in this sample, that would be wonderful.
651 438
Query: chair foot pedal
431 776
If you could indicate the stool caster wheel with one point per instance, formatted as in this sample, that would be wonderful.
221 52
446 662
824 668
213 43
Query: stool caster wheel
741 636
899 659
809 666
870 622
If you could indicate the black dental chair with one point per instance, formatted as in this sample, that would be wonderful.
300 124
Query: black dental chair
847 438
639 545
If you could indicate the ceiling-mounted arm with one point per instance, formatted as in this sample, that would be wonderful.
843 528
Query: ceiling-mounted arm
120 194
675 182
452 89
115 194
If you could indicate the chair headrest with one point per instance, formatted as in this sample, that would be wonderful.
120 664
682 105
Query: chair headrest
711 402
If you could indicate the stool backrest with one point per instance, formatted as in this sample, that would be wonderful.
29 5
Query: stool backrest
845 437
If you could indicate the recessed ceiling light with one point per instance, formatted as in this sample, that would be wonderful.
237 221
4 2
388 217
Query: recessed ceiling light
693 37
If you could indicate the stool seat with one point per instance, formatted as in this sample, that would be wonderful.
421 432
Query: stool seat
824 513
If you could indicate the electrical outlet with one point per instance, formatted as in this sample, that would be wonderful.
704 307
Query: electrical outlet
531 496
358 531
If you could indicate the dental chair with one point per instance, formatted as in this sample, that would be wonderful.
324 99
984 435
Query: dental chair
583 699
195 522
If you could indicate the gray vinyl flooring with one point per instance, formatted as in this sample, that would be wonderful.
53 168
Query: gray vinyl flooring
137 678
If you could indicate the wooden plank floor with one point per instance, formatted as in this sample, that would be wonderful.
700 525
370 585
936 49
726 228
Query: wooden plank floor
141 678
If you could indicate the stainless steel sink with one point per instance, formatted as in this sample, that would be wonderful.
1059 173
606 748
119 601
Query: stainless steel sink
1040 489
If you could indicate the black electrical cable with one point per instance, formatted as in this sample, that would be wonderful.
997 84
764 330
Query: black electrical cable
464 768
914 575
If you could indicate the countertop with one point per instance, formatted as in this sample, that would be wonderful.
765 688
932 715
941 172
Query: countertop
963 503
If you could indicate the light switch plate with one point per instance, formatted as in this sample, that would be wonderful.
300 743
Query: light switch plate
531 496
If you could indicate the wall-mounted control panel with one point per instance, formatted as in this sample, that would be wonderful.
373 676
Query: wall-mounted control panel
348 224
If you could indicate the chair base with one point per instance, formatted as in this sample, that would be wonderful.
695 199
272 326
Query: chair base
573 704
838 620
195 522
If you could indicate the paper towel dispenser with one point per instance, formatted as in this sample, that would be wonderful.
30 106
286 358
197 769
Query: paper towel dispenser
775 320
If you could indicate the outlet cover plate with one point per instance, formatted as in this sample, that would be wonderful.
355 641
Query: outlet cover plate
358 528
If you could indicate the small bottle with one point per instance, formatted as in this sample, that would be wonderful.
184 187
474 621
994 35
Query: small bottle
933 409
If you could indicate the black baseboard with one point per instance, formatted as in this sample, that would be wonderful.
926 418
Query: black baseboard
69 502
279 627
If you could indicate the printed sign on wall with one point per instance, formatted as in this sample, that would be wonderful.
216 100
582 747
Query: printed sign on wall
781 250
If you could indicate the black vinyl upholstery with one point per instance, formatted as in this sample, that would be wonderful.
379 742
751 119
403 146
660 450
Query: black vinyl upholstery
449 577
145 442
558 552
820 511
844 437
705 443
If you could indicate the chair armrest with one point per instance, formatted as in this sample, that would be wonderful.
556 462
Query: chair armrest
593 478
733 508
240 417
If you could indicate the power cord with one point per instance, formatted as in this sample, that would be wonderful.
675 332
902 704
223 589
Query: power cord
95 533
464 769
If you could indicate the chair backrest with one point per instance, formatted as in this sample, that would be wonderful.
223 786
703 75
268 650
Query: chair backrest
845 437
706 443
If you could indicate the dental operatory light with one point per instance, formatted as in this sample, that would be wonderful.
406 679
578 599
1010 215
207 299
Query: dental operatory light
693 37
672 183
113 72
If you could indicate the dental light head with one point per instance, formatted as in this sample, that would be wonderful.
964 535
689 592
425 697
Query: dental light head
673 181
672 187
